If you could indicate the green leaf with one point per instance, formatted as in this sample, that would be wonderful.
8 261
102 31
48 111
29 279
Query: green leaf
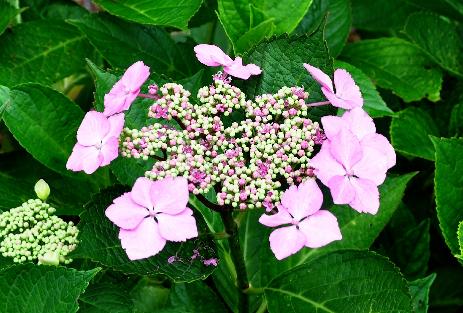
34 289
358 230
447 291
281 60
18 174
194 297
122 44
43 52
8 13
460 239
426 29
63 11
337 28
397 65
346 281
372 101
381 15
419 290
212 218
254 36
106 297
450 8
4 99
456 120
410 130
128 170
45 123
149 296
98 240
448 184
164 13
104 81
412 250
240 17
313 18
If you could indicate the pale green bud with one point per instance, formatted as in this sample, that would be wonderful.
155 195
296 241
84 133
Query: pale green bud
49 258
42 190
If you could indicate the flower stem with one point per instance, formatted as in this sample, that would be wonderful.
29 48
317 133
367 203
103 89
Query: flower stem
143 95
242 282
316 104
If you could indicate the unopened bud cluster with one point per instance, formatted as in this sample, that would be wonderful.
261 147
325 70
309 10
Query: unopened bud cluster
31 232
249 161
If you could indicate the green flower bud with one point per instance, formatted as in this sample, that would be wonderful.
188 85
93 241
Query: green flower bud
50 258
42 190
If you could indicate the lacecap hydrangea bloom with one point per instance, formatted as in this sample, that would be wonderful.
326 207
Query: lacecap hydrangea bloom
270 159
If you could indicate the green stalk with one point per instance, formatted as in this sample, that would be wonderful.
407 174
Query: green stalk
242 282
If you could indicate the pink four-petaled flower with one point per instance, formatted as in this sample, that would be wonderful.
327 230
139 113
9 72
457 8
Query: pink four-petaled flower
211 55
353 160
306 224
153 213
126 90
347 95
97 142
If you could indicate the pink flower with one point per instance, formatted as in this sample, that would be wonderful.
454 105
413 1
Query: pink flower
352 170
307 225
211 55
97 142
126 89
347 95
153 213
363 127
211 262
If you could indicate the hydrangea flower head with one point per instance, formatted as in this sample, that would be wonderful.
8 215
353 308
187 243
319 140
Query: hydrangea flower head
211 55
126 90
97 142
347 94
305 224
153 213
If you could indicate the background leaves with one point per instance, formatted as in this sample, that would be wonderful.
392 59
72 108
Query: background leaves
42 52
42 289
366 281
167 13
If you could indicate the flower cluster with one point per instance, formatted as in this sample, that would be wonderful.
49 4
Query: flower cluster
31 231
252 153
354 159
246 162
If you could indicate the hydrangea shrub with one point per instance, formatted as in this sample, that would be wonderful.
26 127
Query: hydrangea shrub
229 156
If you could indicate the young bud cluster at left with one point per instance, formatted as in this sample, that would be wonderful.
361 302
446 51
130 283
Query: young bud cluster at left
31 232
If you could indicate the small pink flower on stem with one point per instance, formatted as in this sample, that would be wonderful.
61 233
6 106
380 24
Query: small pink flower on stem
306 224
211 262
153 213
347 95
97 142
126 89
211 55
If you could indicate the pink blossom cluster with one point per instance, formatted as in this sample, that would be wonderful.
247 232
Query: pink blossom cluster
98 135
264 160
